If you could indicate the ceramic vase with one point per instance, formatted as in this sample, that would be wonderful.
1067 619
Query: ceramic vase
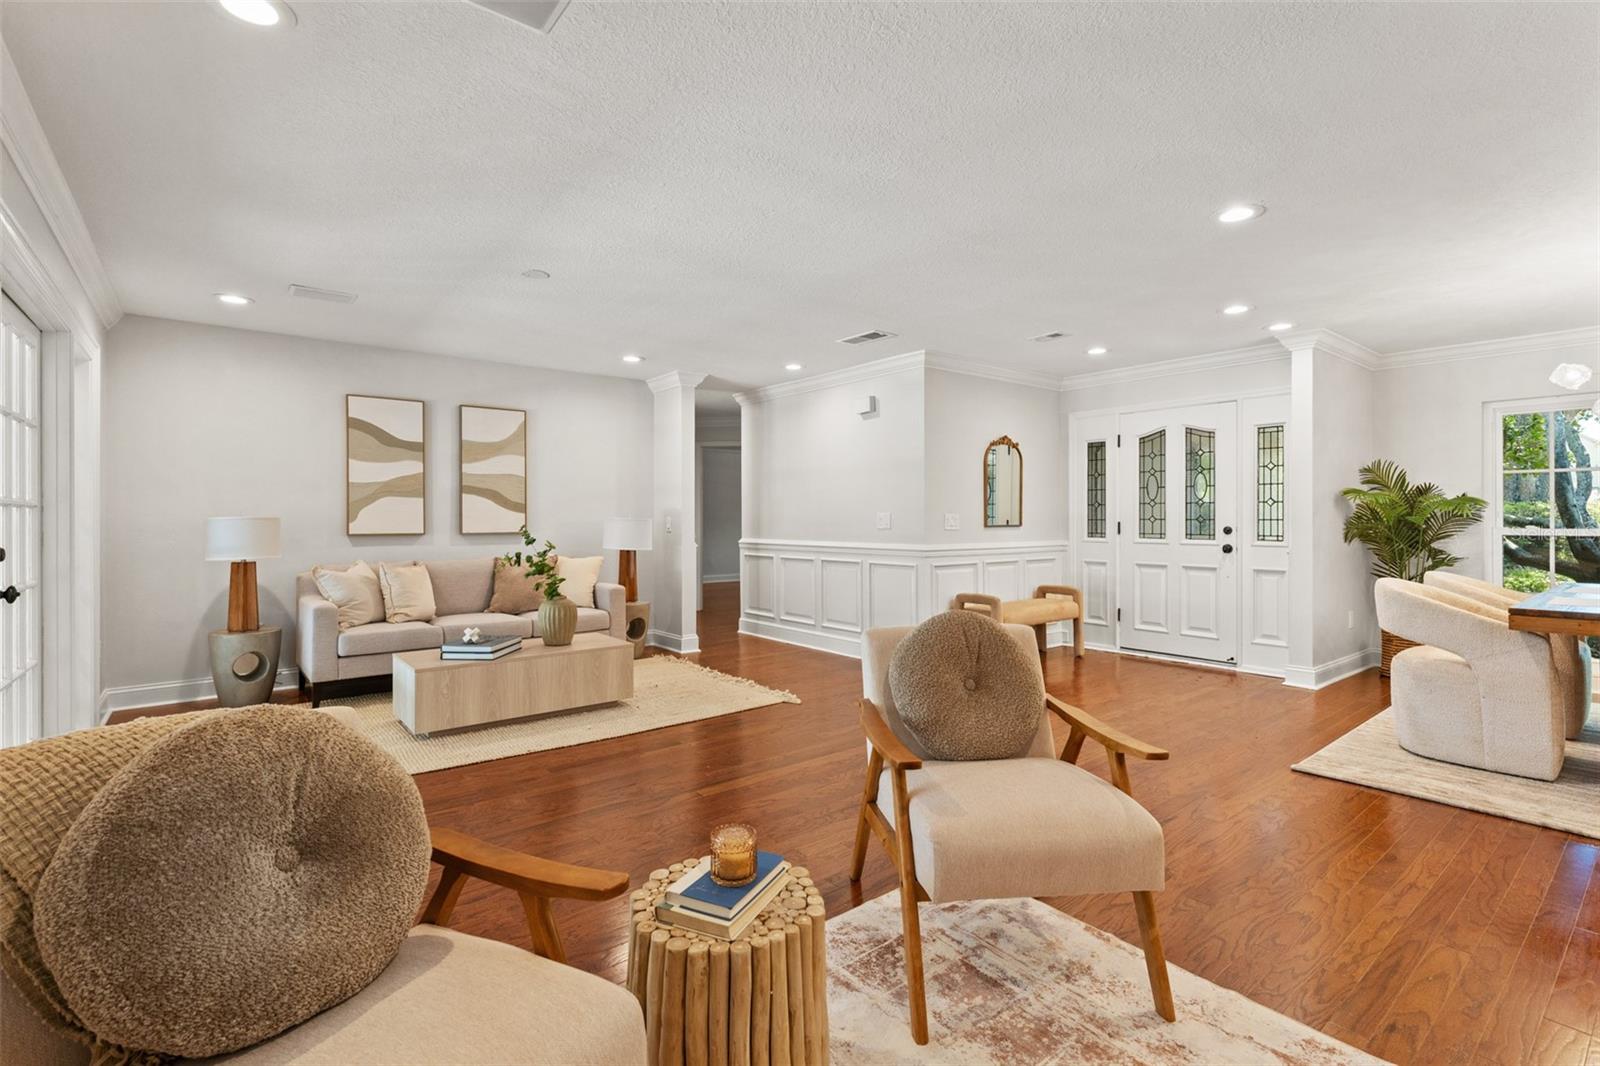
558 621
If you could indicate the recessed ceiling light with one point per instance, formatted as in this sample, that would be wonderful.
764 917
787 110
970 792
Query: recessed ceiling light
1279 327
234 299
1242 212
631 358
536 274
1097 350
791 367
1235 309
264 13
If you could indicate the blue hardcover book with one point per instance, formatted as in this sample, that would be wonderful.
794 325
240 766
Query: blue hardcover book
706 896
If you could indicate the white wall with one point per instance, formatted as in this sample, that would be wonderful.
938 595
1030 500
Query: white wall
203 421
1431 419
819 471
1345 438
719 530
965 413
1179 382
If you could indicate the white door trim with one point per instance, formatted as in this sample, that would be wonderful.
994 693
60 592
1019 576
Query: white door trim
70 483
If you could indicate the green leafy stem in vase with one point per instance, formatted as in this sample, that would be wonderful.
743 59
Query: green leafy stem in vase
539 565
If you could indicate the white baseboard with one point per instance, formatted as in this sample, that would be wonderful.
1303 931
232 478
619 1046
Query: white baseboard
1325 674
160 693
836 644
683 645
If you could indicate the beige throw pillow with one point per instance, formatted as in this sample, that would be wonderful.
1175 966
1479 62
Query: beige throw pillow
354 591
514 591
407 592
578 578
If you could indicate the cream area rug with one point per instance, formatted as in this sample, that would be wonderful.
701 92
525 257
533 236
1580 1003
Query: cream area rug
1371 755
666 691
1018 982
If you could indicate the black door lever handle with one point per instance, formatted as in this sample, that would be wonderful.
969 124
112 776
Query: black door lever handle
10 594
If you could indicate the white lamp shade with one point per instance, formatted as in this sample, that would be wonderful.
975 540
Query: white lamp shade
234 539
627 534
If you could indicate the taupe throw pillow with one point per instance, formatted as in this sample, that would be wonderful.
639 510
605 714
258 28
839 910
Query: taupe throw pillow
239 876
354 592
407 592
965 689
514 591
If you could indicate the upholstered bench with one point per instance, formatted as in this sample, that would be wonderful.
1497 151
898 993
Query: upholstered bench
1049 603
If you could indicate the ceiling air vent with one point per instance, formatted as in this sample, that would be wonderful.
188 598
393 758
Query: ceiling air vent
1053 335
867 337
311 292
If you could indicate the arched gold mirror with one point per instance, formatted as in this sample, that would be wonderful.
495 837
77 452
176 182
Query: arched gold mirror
1002 483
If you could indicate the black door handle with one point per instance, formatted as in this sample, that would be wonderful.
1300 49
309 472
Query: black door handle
10 594
1227 549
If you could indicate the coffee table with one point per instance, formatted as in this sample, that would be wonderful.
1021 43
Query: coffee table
760 1001
431 694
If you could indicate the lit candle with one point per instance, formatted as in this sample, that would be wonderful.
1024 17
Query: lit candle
733 854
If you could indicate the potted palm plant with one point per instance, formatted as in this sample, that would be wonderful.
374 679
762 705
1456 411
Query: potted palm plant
1403 526
558 616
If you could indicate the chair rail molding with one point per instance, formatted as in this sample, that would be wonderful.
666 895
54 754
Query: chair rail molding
825 594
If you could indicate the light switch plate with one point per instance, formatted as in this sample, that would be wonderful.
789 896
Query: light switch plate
952 520
885 520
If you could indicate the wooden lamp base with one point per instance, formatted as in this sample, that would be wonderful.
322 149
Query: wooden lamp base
244 612
628 573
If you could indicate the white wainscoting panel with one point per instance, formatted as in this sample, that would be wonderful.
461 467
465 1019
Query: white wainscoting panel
797 589
824 594
1094 580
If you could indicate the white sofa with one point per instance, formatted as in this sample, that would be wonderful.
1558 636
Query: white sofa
334 661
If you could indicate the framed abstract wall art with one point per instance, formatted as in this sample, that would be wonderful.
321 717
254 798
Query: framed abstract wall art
494 469
386 466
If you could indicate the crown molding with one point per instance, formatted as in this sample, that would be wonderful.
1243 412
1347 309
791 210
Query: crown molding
1557 342
675 379
1268 352
24 138
1335 344
952 364
850 375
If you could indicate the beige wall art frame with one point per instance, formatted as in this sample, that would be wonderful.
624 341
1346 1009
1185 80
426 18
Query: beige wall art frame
386 465
494 469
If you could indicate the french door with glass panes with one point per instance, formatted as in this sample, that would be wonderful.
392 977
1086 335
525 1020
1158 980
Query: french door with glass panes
21 621
1177 510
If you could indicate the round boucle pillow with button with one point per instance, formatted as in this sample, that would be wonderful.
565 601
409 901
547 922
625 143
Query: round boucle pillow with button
965 689
236 878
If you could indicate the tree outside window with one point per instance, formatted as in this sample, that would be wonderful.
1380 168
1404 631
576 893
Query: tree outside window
1550 520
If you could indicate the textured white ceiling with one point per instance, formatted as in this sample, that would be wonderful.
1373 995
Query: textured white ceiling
727 188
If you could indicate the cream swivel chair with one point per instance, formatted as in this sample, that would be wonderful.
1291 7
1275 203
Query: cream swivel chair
1475 692
1570 654
1036 825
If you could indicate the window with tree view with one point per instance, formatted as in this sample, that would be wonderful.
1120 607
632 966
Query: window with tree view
1550 510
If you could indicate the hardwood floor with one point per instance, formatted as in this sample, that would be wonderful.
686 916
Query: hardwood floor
1422 933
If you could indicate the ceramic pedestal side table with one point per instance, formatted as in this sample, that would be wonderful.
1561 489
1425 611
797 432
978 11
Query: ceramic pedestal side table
244 665
759 1001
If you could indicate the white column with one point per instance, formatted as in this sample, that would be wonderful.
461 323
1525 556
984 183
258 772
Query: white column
672 615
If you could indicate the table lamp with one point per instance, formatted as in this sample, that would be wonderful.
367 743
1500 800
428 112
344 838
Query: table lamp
626 536
241 541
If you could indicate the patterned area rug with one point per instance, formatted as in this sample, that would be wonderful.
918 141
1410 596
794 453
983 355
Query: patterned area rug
1371 755
1018 982
666 691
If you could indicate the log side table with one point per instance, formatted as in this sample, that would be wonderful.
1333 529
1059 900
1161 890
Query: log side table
759 1001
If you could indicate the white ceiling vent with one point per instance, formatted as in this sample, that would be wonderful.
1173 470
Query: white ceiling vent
867 337
311 292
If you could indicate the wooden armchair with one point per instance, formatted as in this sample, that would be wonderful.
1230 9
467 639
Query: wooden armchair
1036 825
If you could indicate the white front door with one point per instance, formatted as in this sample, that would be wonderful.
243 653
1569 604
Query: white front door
21 529
1178 512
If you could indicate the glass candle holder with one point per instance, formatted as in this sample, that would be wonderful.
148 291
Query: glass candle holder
733 854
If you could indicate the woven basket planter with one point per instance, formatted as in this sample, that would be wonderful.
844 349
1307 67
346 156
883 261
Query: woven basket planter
1392 646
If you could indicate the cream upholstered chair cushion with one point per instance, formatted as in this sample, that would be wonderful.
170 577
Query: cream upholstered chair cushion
354 591
1569 654
451 998
1482 694
1027 827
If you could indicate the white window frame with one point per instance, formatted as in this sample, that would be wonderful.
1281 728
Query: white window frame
1494 471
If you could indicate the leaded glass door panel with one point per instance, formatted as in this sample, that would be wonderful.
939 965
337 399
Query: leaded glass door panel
1178 532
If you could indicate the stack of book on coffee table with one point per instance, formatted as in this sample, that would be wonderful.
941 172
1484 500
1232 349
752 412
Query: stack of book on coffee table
482 651
694 901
